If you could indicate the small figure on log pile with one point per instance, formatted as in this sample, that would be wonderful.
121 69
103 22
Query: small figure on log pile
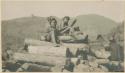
68 65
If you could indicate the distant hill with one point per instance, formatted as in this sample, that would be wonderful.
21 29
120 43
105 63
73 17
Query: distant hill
95 24
15 30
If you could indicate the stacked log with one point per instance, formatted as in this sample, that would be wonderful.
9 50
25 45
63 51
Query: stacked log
36 42
87 68
100 52
47 50
30 67
43 59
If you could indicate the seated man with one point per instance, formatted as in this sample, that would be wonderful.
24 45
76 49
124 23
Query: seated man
52 32
65 24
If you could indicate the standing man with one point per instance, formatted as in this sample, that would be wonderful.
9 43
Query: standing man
116 51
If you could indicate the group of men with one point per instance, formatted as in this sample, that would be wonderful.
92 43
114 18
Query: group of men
66 28
54 30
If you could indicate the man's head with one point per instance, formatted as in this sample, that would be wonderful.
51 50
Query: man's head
66 19
53 23
50 18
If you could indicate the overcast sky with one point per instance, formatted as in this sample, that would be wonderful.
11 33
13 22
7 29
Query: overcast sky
15 9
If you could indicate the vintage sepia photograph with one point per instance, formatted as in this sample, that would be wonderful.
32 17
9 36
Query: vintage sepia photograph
62 36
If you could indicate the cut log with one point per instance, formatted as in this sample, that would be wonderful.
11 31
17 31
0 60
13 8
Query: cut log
24 67
43 59
75 38
101 53
99 61
81 68
38 68
75 45
30 67
93 64
103 68
65 38
57 68
48 50
102 61
44 43
57 51
36 42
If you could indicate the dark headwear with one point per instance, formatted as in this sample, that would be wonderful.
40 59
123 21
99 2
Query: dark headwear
67 17
51 18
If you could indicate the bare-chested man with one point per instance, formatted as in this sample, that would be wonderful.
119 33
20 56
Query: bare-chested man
52 31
